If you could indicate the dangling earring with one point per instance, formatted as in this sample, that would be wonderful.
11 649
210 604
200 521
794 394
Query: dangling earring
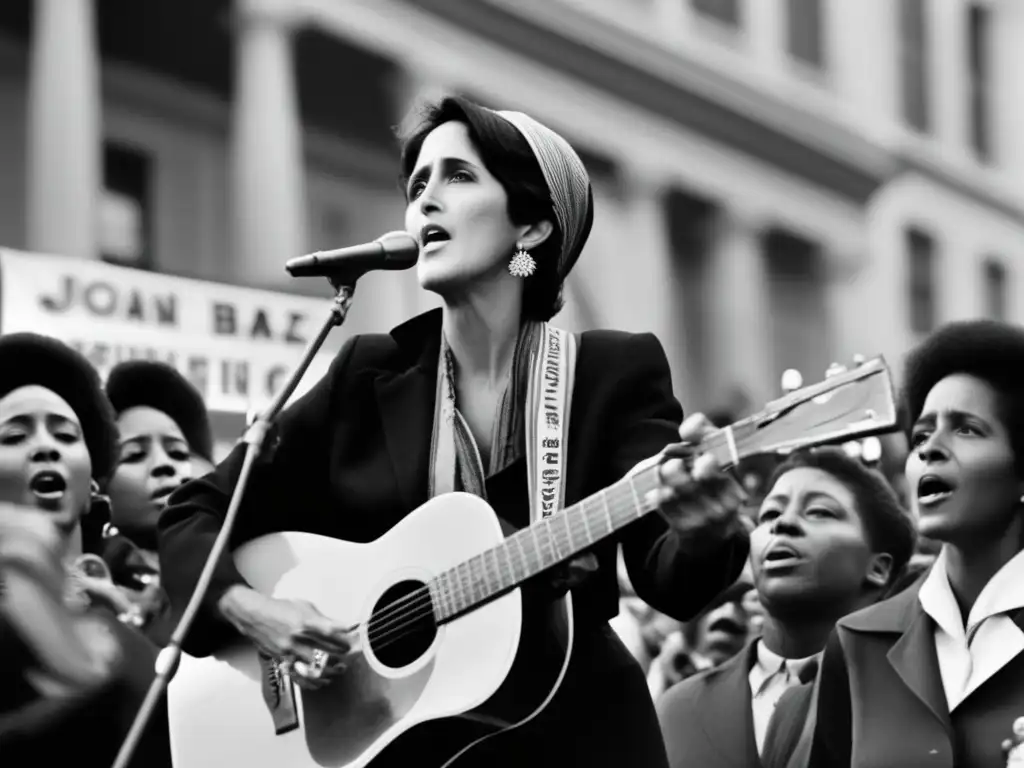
522 264
100 511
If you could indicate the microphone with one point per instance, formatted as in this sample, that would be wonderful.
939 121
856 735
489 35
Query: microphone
395 250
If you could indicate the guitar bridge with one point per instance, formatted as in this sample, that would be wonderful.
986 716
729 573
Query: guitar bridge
279 695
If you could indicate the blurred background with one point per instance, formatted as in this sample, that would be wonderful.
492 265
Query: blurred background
779 183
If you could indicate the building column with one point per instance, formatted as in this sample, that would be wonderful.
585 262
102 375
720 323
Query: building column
64 144
738 298
649 261
765 22
268 169
948 79
673 18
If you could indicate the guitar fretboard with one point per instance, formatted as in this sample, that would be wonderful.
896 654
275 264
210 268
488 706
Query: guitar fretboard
541 545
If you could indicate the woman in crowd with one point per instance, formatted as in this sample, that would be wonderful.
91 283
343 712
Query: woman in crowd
933 675
502 207
165 436
57 441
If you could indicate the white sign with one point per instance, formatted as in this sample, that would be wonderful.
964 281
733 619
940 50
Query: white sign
237 345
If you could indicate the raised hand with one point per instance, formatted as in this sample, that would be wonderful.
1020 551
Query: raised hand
696 496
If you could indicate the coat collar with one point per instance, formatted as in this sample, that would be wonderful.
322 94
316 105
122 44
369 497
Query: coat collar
415 332
727 703
896 614
405 397
913 655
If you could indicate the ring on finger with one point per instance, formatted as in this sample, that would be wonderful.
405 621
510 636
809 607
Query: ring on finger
320 659
286 665
306 671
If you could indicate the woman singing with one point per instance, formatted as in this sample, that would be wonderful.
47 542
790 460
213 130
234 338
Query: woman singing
934 675
165 440
57 439
502 208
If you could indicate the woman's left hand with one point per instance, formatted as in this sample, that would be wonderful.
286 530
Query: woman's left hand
696 496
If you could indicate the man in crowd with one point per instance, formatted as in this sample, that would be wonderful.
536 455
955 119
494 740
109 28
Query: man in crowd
831 537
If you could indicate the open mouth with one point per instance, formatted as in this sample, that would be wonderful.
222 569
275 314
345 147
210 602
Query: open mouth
48 485
932 490
781 555
433 236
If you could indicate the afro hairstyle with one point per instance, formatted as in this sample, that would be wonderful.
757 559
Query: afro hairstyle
28 359
987 349
156 385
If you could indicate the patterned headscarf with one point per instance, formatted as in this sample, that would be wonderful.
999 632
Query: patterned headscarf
567 180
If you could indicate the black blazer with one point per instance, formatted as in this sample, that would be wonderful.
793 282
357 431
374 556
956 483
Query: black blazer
886 654
707 720
352 461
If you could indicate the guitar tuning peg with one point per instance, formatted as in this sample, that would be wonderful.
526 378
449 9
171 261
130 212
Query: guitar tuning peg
791 380
835 369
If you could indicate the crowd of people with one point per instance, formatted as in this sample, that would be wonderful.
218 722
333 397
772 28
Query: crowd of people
815 617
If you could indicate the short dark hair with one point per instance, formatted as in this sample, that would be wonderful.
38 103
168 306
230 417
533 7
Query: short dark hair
889 526
987 349
508 157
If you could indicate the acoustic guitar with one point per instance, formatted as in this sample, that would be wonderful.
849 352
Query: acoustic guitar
451 652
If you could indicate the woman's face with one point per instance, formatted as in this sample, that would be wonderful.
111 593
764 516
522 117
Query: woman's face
960 469
810 546
154 460
459 213
44 462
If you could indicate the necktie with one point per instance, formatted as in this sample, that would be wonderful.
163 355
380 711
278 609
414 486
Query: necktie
809 672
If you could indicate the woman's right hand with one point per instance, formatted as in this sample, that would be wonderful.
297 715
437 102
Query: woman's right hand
291 631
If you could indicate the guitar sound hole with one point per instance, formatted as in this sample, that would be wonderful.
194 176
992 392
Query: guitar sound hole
402 626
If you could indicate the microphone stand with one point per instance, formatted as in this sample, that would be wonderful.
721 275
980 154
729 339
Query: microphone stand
255 437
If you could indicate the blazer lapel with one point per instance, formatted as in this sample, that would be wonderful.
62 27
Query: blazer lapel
913 657
406 402
728 704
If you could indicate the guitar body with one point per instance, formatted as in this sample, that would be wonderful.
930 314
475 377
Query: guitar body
426 699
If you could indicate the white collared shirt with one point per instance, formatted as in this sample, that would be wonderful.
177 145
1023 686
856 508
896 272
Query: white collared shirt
968 656
770 677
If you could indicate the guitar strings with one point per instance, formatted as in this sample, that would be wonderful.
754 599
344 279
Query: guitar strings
399 619
395 619
389 611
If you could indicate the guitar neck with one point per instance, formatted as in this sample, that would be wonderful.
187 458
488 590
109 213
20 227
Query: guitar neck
555 539
848 406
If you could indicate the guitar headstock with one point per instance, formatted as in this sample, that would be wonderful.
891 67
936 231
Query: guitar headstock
849 404
866 449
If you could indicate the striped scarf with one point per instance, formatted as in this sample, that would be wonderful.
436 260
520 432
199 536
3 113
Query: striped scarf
455 461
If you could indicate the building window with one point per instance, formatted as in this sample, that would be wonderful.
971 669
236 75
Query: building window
724 11
979 24
805 31
914 54
921 281
995 290
125 207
